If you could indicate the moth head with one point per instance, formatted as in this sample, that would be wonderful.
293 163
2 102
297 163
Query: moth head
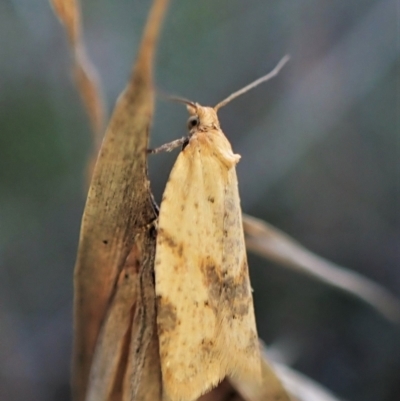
193 121
193 109
202 118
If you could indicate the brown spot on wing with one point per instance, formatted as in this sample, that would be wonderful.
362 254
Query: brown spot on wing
207 345
180 250
226 291
253 343
166 315
166 237
163 236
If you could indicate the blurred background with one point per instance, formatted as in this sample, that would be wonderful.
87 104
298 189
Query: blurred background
320 153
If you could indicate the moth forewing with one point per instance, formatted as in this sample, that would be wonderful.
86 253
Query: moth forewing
205 313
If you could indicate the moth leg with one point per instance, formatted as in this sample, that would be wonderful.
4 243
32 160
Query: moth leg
169 146
151 227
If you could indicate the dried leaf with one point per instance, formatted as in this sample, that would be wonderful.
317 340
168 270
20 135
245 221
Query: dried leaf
119 371
273 244
117 215
142 381
149 388
112 346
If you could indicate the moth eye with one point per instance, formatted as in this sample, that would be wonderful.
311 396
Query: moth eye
193 122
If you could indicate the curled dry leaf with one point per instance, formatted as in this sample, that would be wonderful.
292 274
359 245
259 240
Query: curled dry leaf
113 341
126 363
267 241
147 387
116 221
118 372
68 11
69 14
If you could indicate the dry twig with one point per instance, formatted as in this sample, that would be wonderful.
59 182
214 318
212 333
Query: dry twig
273 244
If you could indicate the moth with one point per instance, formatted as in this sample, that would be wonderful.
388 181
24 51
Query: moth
205 314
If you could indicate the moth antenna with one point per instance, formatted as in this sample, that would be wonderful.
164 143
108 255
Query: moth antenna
257 82
176 99
182 100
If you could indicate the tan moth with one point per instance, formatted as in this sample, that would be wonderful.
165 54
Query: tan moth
205 313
